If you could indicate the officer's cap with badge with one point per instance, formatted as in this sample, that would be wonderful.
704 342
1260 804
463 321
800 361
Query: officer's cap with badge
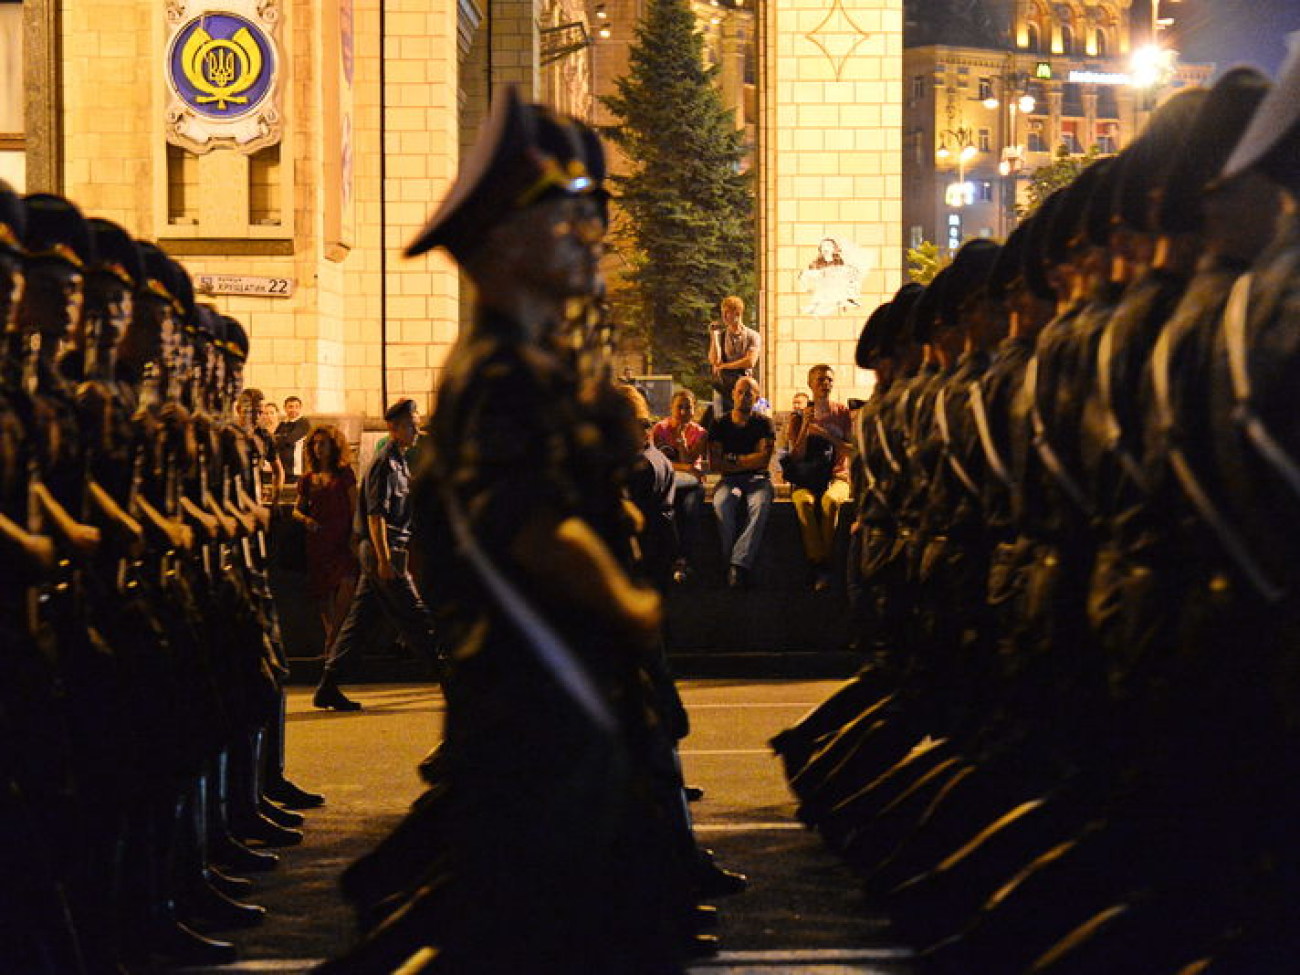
13 221
1008 270
1271 142
56 231
1068 223
924 313
116 253
968 275
1223 117
867 351
235 343
1150 155
165 279
884 332
524 154
1037 264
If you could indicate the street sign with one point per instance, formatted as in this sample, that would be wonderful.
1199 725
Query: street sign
243 284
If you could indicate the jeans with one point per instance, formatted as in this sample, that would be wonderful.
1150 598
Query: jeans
688 500
752 493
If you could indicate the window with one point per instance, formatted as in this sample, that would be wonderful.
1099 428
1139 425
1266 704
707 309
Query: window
1107 103
954 232
983 191
916 146
1106 145
984 140
918 87
985 90
915 237
1072 99
1036 142
1102 44
13 158
1033 38
1070 138
1067 39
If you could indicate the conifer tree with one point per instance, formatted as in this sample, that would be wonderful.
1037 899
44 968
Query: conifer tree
687 227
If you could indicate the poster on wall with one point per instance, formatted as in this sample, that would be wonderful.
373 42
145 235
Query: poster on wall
832 280
222 65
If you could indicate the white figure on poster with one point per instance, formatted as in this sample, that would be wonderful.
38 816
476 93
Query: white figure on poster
832 279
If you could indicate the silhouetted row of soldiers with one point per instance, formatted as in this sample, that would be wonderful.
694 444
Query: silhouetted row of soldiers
141 712
1075 747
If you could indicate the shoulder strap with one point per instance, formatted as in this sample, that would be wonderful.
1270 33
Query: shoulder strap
1105 393
945 433
1235 319
1046 452
1233 544
991 454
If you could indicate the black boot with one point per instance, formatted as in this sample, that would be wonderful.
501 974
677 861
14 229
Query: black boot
246 822
329 697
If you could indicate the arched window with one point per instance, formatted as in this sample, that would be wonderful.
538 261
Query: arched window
1103 44
1067 39
1033 38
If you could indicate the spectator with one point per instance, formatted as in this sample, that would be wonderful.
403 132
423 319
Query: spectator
817 466
733 351
685 443
740 448
383 524
289 438
798 403
327 496
250 409
651 487
268 417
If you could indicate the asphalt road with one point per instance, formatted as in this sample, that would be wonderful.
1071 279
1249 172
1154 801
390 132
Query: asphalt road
802 913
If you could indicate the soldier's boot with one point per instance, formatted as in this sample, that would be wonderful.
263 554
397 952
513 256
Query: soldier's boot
275 785
158 934
223 848
246 819
203 905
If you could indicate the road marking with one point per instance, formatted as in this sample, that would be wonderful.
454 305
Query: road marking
723 706
807 955
743 827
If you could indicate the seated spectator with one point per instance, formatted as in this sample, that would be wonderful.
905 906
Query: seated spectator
327 497
651 487
740 448
798 403
290 435
685 443
817 467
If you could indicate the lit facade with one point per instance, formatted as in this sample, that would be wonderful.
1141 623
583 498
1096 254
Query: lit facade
979 119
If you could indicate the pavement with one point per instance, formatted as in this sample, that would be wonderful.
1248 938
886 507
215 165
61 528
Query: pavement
803 912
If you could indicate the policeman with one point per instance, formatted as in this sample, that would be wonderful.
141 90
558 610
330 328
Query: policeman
383 524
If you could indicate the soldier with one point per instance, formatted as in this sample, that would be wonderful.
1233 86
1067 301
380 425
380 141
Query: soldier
547 860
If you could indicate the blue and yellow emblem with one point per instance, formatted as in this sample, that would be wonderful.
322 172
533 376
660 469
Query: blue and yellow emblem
221 65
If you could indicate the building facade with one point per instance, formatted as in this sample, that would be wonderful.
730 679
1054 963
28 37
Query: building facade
1031 79
286 150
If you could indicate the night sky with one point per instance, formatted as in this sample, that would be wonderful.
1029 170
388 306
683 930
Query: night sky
1232 32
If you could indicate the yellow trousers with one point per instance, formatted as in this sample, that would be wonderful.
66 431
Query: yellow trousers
818 517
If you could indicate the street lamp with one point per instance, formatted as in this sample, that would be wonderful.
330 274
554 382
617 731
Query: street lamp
1013 151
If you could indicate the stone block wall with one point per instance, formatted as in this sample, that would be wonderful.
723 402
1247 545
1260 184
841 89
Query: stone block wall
832 170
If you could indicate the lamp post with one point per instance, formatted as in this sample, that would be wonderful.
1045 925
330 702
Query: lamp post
1015 90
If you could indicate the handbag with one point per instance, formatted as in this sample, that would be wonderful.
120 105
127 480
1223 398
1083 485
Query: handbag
813 470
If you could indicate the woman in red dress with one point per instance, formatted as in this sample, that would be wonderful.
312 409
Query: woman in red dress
327 498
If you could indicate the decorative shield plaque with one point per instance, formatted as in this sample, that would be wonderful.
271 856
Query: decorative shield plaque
222 69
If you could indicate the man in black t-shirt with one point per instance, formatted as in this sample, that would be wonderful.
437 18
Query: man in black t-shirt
740 447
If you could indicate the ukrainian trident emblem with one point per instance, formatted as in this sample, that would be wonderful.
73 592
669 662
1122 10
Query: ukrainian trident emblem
221 68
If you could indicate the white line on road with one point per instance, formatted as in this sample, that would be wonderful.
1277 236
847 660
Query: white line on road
721 705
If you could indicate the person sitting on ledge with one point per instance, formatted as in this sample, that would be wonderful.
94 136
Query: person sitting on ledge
685 443
741 450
